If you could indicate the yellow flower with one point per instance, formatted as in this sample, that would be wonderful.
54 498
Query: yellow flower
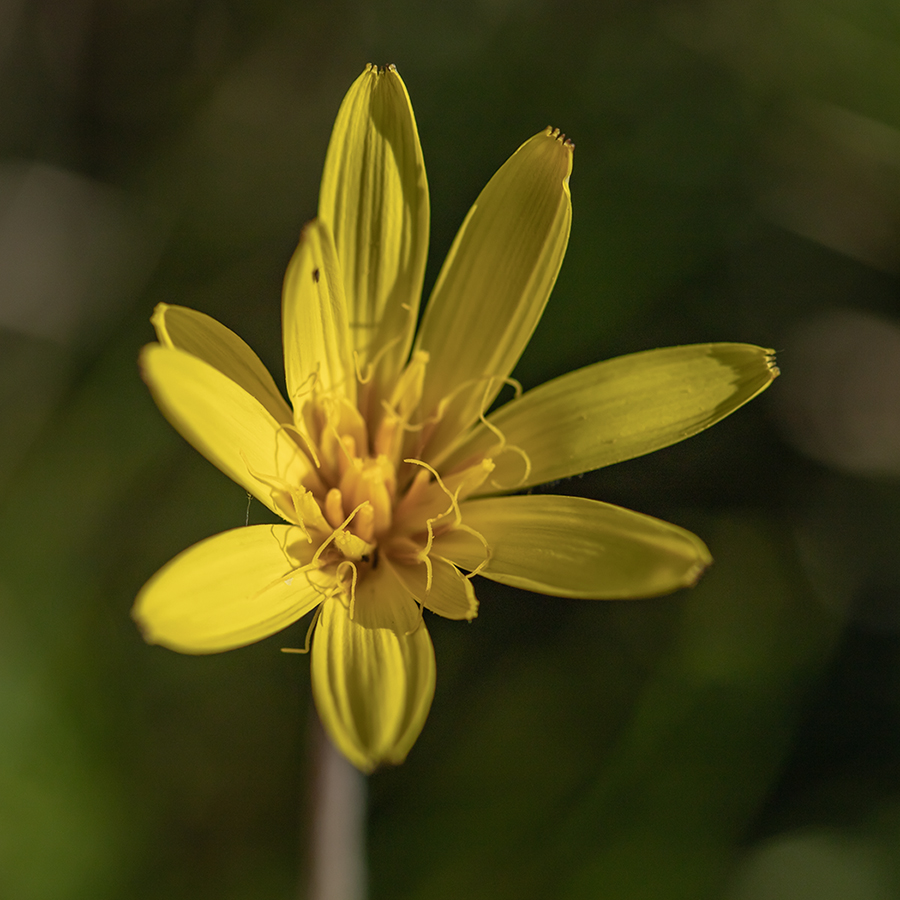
394 486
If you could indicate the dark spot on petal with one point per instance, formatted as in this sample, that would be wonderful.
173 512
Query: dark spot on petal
316 276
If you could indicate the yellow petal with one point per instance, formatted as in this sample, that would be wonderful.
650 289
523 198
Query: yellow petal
227 425
203 336
314 320
230 590
450 593
617 410
573 547
496 280
374 197
382 601
372 686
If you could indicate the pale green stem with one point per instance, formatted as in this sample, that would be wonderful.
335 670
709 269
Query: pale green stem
338 831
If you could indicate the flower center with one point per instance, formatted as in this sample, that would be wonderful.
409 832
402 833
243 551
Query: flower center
368 496
356 458
367 486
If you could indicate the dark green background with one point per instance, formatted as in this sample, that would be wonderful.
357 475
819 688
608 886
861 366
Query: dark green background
737 177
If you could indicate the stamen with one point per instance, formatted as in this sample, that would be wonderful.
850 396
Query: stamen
515 384
371 366
334 533
360 377
419 621
514 448
307 441
453 504
481 539
466 482
501 437
305 390
341 573
364 525
333 450
416 490
503 446
334 507
486 400
296 493
373 480
309 632
393 419
348 446
399 407
424 557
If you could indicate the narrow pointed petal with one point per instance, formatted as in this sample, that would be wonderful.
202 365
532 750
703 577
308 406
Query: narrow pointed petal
495 282
616 410
450 593
317 347
574 547
230 590
373 687
204 337
374 197
230 427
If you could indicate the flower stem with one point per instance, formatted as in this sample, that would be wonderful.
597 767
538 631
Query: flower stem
338 828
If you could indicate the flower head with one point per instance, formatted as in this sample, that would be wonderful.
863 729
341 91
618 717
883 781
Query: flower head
394 486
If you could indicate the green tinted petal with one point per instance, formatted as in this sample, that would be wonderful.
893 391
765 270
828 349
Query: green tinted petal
229 426
372 686
496 280
573 547
230 590
204 337
314 320
617 410
374 197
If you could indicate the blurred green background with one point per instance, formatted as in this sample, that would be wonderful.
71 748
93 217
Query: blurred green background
737 177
